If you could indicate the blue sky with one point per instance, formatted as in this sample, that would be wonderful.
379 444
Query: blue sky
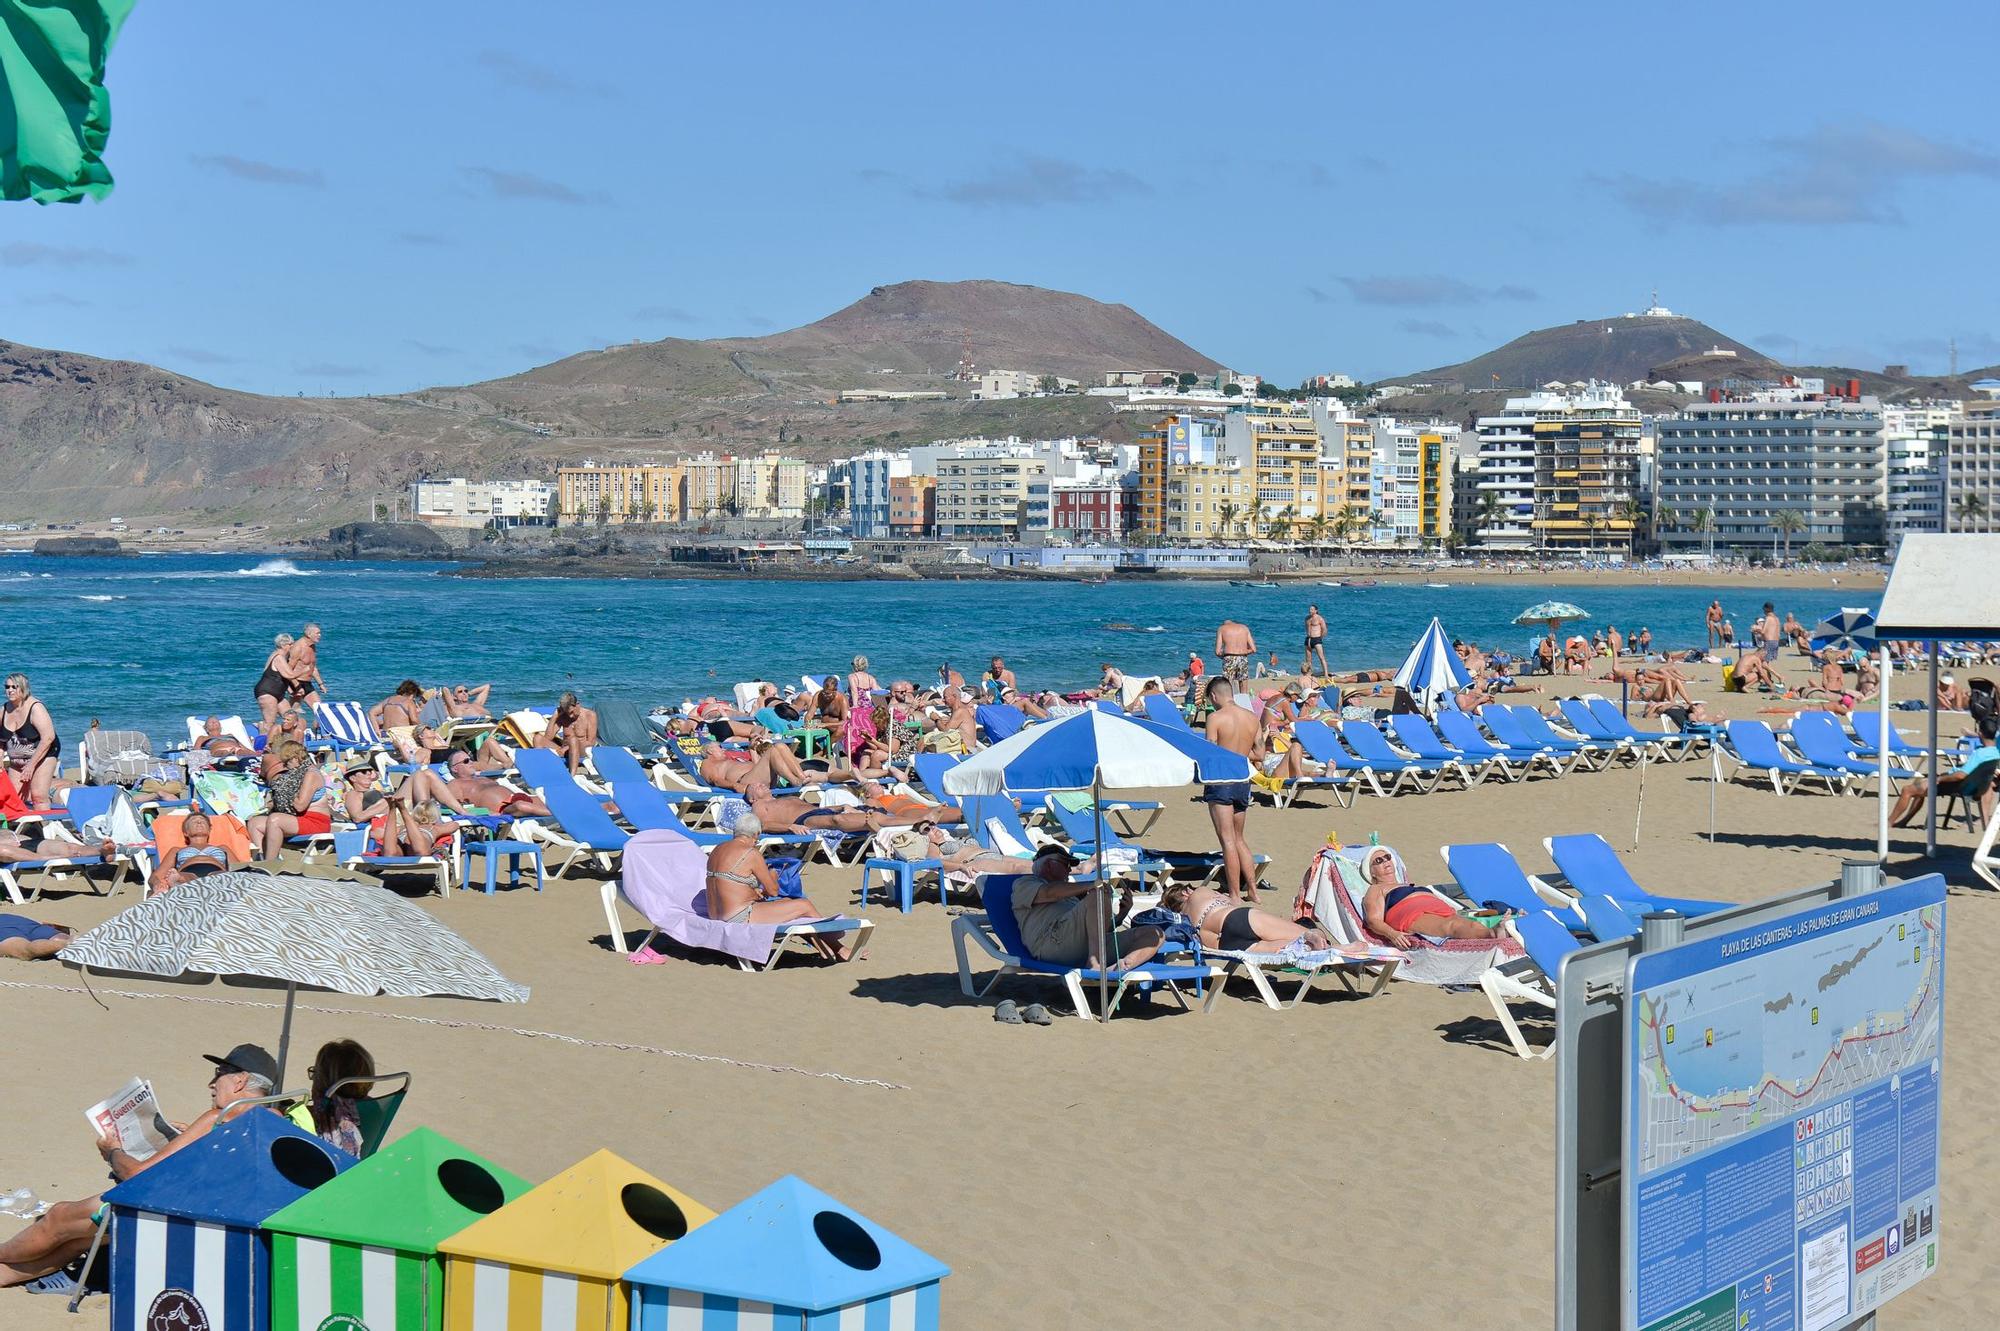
375 197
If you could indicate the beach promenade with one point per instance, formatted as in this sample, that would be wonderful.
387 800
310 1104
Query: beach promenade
1381 1163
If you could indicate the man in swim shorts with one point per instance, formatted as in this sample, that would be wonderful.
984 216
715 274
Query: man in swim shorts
1235 644
1315 641
1235 729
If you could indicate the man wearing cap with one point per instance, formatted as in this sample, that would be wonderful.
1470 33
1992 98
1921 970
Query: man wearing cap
1053 915
37 1255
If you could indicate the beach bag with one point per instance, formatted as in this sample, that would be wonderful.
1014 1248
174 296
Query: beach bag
791 882
902 843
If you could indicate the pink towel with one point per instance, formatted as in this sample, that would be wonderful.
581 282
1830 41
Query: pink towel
665 880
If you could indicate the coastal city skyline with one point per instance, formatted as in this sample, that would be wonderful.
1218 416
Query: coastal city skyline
469 208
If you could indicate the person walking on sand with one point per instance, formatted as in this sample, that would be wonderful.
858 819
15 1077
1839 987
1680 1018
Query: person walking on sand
1236 645
306 682
1315 642
1715 638
1235 729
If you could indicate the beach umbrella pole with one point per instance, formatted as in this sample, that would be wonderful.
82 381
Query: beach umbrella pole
1714 780
285 1034
1930 794
1882 757
1098 903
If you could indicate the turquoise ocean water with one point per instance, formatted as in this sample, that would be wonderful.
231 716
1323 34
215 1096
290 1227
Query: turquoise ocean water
141 642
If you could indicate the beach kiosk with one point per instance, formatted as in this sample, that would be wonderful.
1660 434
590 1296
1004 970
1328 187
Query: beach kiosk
790 1257
554 1258
361 1253
186 1250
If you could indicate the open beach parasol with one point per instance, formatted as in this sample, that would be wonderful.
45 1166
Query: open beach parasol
1552 613
1432 667
1852 630
1096 751
351 937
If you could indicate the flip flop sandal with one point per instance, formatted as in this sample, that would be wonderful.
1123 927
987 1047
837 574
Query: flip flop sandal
1037 1015
1006 1013
646 956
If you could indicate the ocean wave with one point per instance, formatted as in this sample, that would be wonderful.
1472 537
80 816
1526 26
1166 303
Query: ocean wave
100 598
270 568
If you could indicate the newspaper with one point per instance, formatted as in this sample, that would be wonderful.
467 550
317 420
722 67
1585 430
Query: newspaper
132 1115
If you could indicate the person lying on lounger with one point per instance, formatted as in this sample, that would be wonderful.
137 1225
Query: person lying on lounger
741 888
468 789
1231 926
1398 912
198 858
218 745
16 848
737 769
792 814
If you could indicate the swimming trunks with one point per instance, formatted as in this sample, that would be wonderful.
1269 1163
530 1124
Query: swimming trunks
1238 935
1236 794
1314 640
20 926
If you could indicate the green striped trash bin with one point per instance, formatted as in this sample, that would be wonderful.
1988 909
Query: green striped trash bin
367 1259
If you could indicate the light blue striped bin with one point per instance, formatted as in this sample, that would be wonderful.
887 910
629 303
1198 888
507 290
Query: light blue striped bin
185 1247
790 1258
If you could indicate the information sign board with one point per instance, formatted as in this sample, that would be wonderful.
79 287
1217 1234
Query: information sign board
1780 1158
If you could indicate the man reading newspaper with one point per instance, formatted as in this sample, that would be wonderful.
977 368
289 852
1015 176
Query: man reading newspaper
36 1257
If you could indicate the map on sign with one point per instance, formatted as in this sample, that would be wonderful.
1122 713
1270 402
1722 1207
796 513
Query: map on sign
1783 1085
1726 1051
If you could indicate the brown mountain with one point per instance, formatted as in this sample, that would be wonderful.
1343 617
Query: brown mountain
88 438
1617 350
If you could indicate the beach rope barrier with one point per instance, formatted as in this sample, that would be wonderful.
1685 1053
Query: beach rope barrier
450 1024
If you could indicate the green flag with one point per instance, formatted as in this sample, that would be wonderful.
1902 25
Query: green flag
54 112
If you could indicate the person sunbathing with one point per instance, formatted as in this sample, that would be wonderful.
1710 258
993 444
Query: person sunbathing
198 858
216 744
1911 799
906 810
395 717
466 702
736 769
1150 689
1231 926
1398 912
1832 676
469 789
570 732
741 889
23 939
1364 677
15 848
792 814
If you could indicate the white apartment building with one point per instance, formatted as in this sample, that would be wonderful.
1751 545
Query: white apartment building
1410 480
991 495
1971 472
1913 448
458 502
1022 383
1742 460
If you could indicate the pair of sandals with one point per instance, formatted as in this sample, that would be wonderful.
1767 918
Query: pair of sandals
1008 1013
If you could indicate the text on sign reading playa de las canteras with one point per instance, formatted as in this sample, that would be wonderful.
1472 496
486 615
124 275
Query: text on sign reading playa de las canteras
1766 937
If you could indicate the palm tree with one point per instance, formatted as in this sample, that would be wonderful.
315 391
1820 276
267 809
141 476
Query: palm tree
1593 523
1702 521
1969 507
1278 524
1633 514
1788 522
1487 514
1225 514
1316 528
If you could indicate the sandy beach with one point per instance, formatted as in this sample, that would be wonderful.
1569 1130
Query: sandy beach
1388 1159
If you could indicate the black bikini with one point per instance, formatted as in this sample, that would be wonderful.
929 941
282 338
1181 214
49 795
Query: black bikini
1238 934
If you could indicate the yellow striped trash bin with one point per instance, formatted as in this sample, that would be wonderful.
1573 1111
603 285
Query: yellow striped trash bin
554 1258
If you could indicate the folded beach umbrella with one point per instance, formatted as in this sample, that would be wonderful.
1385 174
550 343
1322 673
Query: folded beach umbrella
1432 667
351 937
1852 630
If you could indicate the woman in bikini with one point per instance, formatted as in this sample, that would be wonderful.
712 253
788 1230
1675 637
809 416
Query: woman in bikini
1230 926
1397 912
34 750
741 888
197 859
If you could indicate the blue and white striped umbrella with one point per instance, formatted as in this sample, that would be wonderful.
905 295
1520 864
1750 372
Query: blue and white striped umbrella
1102 749
1852 630
1432 667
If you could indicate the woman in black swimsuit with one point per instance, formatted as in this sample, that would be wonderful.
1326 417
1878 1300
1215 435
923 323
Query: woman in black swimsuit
274 686
33 747
1229 926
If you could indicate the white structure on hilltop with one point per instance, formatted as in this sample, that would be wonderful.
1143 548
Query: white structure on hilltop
458 502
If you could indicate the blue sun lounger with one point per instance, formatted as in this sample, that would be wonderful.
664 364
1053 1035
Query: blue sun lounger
581 827
999 720
1578 717
350 851
1324 747
1500 719
1373 747
1751 744
999 936
619 766
1462 732
1536 729
1590 866
1162 709
1609 917
1486 871
1675 744
1868 732
1822 740
1414 733
83 804
1531 978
